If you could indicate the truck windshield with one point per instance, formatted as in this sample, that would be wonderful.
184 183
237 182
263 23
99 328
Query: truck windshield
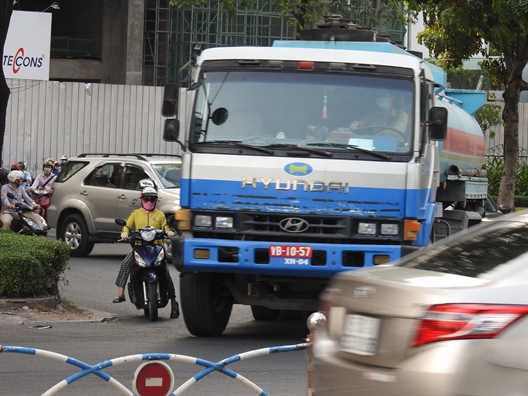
285 110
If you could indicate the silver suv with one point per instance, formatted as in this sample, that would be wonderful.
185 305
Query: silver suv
93 190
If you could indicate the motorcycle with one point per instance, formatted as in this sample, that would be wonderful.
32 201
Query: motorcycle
29 222
147 288
42 197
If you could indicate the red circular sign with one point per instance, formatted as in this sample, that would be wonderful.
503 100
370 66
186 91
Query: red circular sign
153 379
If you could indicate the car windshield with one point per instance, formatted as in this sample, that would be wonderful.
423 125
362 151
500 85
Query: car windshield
479 255
285 112
169 174
70 169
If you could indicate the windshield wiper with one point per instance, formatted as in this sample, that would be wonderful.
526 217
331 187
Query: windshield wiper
321 153
237 143
351 146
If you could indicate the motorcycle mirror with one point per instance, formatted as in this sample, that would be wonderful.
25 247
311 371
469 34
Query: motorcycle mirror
10 195
120 222
170 219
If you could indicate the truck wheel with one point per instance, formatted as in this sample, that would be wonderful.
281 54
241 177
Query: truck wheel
264 313
75 233
153 302
206 307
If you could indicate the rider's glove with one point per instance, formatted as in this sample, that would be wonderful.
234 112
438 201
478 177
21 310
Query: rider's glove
124 235
170 234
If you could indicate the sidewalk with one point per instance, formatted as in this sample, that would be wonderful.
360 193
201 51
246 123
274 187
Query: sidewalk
45 310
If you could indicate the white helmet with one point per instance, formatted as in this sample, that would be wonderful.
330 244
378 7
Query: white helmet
148 192
15 175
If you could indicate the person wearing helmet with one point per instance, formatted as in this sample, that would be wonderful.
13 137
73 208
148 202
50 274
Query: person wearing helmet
64 160
14 187
146 215
27 176
3 178
46 178
56 167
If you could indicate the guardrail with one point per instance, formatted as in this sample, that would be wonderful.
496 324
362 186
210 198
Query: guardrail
155 380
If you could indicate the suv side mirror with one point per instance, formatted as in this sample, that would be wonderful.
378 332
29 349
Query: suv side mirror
171 130
437 124
170 100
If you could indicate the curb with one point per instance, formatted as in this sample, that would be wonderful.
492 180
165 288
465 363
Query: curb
93 316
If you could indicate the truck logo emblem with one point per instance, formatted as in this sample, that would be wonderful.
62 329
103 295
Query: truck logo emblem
294 224
298 169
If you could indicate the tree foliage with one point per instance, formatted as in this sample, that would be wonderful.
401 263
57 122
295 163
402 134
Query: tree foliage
306 14
497 30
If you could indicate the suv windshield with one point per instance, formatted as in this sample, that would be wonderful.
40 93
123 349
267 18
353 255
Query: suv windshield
285 110
169 174
478 255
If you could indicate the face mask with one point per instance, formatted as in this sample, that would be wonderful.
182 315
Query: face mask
382 102
47 171
57 168
148 206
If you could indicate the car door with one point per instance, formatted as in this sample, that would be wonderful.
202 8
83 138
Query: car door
101 195
129 192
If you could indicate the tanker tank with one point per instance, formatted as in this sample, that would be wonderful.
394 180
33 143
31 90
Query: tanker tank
464 149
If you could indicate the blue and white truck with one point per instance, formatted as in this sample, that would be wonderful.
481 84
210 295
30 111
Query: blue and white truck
280 189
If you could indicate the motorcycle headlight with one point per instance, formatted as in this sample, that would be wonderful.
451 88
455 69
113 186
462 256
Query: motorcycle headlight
44 224
160 257
32 224
148 235
140 260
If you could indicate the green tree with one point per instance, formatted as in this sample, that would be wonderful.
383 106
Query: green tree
456 30
6 9
304 14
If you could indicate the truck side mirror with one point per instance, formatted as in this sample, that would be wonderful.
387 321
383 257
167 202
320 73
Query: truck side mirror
170 100
171 130
437 124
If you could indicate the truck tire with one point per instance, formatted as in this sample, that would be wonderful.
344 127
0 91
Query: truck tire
153 302
264 313
75 233
206 307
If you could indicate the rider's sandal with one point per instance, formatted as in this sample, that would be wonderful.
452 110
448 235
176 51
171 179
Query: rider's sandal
119 299
175 313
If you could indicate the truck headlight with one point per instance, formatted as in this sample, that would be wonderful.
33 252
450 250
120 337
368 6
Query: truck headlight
389 229
203 221
367 228
224 222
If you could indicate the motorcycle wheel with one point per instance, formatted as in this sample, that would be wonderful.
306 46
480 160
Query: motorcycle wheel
206 306
153 302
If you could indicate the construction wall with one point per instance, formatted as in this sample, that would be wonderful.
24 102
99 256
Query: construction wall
50 119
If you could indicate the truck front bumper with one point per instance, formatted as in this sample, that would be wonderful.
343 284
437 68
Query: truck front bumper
253 257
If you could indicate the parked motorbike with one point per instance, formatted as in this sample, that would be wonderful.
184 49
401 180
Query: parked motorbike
42 197
147 288
29 222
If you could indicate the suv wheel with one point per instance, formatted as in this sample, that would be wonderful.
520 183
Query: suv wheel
75 233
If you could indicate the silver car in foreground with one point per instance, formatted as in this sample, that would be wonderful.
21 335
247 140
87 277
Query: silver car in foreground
449 320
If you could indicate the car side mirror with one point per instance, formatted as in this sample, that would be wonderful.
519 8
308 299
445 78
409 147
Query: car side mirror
437 124
171 130
505 209
120 222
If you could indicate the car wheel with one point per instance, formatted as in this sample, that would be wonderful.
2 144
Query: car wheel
75 233
206 306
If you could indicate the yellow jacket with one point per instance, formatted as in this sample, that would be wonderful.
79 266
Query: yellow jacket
139 218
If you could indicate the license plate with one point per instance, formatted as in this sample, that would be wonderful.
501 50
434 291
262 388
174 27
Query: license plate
360 335
290 251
